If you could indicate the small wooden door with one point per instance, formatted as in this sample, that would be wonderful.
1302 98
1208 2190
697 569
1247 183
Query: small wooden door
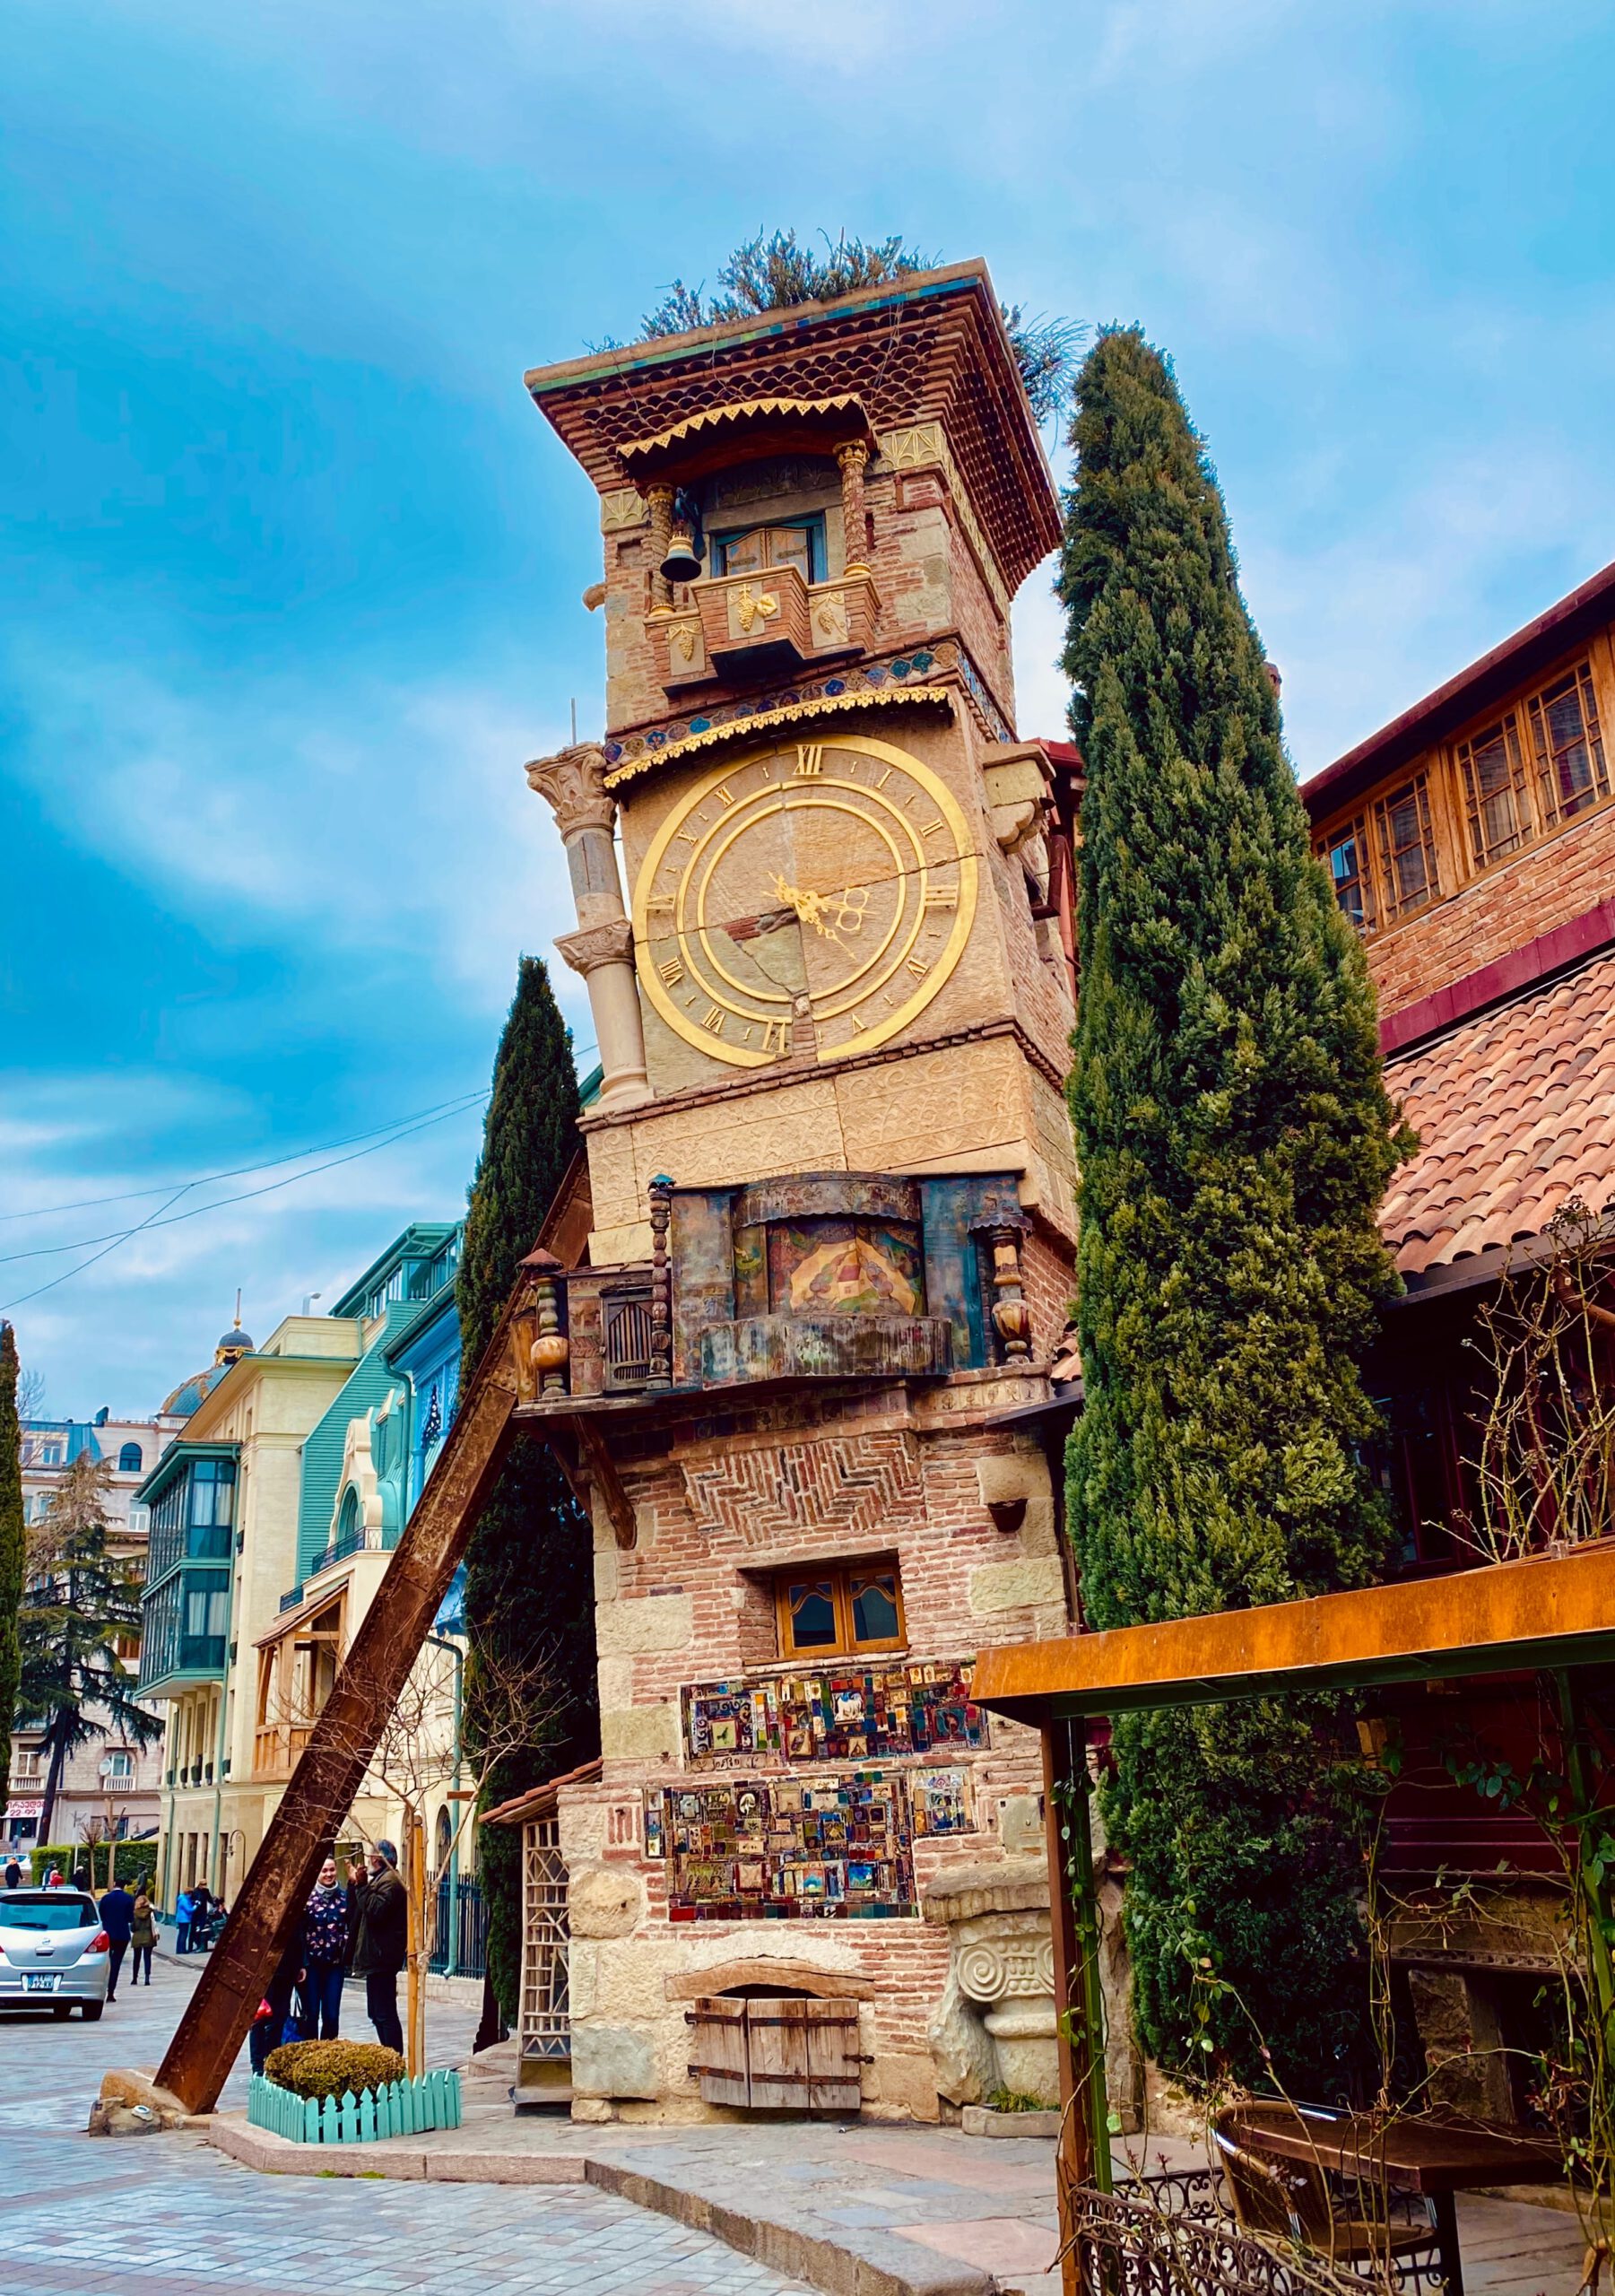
834 2084
719 2063
779 2056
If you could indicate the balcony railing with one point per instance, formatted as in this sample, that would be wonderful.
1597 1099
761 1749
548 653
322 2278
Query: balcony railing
349 1543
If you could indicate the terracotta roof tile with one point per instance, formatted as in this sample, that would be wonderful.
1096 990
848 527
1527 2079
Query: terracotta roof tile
1514 1111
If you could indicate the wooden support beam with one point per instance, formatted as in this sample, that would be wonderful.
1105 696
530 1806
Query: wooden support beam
346 1734
1084 2154
602 1471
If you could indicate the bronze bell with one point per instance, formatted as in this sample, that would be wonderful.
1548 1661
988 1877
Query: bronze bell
682 563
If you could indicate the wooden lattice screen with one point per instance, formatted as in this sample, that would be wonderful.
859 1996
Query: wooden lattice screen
546 2024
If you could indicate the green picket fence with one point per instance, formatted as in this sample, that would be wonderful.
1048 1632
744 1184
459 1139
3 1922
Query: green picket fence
398 2109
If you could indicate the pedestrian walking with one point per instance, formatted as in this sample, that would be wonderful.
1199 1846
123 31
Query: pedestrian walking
83 1880
143 1936
14 1876
380 1939
53 1880
185 1914
325 1936
117 1920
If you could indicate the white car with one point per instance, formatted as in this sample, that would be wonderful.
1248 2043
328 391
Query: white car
54 1953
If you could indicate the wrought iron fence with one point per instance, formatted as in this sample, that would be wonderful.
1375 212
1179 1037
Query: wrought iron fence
460 1942
1176 2235
1134 2244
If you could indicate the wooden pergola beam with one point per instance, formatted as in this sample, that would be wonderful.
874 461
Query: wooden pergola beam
1550 1612
1549 1615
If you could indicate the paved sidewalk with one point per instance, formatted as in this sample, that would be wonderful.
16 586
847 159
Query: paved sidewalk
856 2210
169 2216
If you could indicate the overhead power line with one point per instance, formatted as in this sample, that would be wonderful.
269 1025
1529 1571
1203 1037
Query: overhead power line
237 1171
155 1219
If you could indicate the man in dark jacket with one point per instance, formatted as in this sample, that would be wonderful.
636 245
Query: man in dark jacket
117 1920
380 1940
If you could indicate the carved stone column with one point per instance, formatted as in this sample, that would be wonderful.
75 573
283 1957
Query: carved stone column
660 498
854 459
572 783
995 2025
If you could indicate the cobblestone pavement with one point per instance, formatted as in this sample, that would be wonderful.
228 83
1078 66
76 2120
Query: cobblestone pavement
125 2216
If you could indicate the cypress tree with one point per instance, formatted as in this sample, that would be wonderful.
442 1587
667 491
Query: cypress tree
529 1568
1234 1139
12 1548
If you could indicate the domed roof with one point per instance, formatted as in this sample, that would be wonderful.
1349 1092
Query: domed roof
232 1345
187 1396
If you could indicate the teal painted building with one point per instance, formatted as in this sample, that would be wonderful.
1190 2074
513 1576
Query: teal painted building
273 1517
365 1464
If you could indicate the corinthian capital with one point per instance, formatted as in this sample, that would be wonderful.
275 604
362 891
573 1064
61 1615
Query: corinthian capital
611 943
572 784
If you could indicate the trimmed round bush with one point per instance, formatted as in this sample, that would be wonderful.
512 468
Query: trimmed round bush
321 2069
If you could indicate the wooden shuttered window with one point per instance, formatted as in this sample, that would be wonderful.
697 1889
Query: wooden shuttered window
627 1318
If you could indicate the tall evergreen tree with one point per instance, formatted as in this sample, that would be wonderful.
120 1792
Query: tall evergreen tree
79 1601
1234 1139
13 1549
529 1573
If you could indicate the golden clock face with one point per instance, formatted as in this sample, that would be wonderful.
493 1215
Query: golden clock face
818 887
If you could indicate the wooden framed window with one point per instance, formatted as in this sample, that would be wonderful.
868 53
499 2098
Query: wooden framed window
1409 875
823 1611
1346 857
1567 745
1495 796
799 544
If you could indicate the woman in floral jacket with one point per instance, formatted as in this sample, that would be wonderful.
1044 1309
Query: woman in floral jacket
325 1946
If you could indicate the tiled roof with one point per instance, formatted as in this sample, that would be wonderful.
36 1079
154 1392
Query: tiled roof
1515 1111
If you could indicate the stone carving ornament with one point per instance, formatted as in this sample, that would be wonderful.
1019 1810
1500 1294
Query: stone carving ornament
572 784
999 1968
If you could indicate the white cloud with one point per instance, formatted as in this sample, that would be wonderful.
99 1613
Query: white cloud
370 818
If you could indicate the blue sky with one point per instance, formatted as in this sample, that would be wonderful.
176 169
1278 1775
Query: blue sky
292 569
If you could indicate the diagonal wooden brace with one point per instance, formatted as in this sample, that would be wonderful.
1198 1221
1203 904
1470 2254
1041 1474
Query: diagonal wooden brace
349 1729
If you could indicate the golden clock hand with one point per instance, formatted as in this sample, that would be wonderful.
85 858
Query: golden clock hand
810 907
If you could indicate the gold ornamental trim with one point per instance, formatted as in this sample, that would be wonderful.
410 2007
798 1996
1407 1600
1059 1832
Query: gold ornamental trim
787 713
741 411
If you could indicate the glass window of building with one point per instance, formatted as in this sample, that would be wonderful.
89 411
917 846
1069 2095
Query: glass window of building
1568 746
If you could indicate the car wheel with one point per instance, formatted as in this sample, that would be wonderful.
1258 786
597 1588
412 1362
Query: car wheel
60 2008
91 2009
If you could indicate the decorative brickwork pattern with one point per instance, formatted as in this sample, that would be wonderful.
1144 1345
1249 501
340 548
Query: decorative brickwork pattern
838 1489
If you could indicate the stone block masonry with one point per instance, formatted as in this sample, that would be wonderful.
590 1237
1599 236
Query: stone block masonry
722 1507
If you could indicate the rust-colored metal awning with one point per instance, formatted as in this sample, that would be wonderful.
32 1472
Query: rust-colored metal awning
1550 1612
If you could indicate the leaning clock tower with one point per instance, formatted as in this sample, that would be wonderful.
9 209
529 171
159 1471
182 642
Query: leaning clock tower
801 1300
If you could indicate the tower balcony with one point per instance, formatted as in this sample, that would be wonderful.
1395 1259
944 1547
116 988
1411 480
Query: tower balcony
734 628
803 1278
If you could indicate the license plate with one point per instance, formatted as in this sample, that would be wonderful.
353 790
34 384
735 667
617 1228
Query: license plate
40 1981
